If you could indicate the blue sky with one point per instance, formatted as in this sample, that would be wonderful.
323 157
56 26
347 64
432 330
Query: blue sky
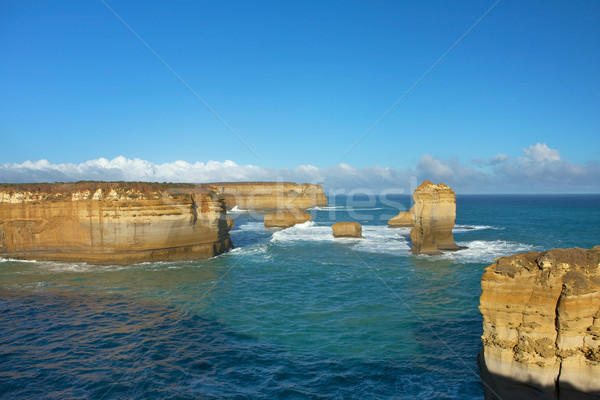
300 82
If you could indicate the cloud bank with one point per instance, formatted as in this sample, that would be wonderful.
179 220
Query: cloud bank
540 170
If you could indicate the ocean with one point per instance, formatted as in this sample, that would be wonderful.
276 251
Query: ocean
292 313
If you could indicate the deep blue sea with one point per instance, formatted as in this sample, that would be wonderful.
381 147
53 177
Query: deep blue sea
292 314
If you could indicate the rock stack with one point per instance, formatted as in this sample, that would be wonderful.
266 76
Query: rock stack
541 325
434 214
404 219
347 229
285 218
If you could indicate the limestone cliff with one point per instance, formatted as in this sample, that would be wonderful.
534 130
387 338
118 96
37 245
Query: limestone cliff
541 325
267 196
111 222
435 212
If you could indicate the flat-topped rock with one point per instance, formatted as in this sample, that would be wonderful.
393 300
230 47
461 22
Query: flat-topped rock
541 325
286 218
347 229
435 212
266 196
404 219
111 222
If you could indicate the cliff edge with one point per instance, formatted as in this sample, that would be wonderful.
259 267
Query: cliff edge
111 222
269 196
541 325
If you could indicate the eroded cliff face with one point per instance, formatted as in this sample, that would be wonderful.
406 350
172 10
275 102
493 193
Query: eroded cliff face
434 213
541 322
268 196
111 222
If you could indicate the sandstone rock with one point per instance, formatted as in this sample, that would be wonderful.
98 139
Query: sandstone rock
403 219
286 218
541 325
266 196
111 222
347 229
435 212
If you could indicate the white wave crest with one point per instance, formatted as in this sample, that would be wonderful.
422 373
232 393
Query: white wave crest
237 210
468 228
250 226
16 260
483 251
344 208
328 208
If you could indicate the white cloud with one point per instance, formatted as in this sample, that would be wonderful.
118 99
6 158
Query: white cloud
434 167
541 152
541 170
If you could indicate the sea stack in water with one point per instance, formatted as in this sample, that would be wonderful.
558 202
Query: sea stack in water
435 212
265 196
347 229
286 218
541 325
404 219
112 222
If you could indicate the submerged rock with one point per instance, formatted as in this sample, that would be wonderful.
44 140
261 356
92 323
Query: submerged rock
286 218
541 325
347 229
435 212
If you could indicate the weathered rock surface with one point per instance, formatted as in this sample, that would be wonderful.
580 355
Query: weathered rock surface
541 325
286 218
435 212
347 229
266 196
111 222
404 219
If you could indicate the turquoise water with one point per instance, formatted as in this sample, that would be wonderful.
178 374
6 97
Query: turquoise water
287 314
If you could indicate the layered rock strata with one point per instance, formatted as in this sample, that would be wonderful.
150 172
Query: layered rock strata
286 218
347 229
111 222
404 219
435 212
267 196
541 325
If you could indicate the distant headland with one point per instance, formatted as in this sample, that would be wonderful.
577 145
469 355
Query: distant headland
131 222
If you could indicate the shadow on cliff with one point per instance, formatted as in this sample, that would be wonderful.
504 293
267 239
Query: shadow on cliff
498 387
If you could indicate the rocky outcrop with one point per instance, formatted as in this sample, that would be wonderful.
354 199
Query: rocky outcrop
111 222
541 325
435 212
286 218
404 219
266 196
347 229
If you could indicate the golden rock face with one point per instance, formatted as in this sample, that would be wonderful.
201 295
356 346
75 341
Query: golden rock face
435 212
111 222
266 196
541 321
286 218
347 229
404 219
